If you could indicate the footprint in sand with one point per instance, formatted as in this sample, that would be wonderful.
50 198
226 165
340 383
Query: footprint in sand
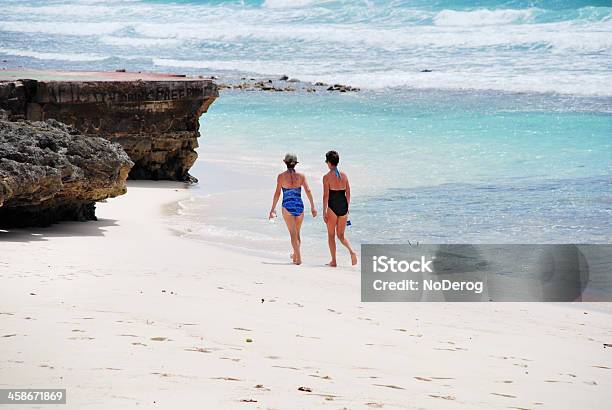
286 367
504 395
229 379
198 349
11 335
159 339
423 379
375 405
443 397
320 377
170 375
390 386
138 344
308 337
233 359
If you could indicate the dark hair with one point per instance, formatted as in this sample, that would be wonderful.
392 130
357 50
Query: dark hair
290 165
332 157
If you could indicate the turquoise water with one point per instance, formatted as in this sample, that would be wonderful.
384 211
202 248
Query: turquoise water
426 166
507 139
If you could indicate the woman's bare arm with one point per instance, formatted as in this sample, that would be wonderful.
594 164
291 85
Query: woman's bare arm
348 192
277 192
313 210
325 198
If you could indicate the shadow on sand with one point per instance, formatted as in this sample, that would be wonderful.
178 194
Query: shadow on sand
141 183
58 230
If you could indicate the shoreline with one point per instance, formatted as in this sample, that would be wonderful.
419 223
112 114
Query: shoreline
123 302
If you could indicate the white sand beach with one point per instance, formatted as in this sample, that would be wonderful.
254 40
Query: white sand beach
124 314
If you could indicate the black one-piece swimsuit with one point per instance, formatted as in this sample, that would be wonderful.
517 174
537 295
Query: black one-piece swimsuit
337 202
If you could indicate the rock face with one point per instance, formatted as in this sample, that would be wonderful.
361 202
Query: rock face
156 122
50 172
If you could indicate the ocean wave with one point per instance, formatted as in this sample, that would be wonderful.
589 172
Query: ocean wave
39 55
577 83
484 17
285 4
319 39
62 28
371 45
140 41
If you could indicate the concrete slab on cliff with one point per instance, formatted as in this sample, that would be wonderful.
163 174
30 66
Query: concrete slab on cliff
13 74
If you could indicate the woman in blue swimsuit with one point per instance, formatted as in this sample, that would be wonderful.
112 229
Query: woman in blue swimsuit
290 183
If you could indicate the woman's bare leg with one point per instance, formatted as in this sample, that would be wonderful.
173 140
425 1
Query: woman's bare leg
340 229
298 227
331 236
291 222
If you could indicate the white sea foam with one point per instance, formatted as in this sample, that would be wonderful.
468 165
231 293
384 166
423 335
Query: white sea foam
140 41
282 4
484 17
62 28
52 56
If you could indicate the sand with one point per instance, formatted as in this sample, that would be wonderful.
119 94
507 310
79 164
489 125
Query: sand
124 314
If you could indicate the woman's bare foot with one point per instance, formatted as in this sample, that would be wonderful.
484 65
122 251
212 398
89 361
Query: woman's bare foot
354 258
331 264
297 262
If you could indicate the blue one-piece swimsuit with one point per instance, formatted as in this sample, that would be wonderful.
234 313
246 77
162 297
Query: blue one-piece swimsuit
292 201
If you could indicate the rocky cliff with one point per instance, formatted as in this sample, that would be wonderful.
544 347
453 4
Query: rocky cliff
155 121
50 172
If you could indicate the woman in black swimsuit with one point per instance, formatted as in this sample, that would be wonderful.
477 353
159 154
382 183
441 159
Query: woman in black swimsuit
336 200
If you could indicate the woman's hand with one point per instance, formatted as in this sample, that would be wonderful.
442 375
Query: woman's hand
272 214
314 212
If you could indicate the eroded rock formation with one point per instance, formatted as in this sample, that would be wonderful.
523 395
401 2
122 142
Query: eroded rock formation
50 172
156 122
